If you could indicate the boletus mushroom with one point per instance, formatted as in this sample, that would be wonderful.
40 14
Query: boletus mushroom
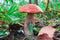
47 31
30 9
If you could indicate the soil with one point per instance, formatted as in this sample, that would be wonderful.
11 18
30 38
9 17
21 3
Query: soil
20 36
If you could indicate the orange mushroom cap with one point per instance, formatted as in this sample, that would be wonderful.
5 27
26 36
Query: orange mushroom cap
30 8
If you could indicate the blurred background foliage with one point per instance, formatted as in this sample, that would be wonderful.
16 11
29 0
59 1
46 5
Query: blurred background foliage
9 10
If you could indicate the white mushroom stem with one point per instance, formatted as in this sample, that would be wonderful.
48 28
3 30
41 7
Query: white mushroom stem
30 20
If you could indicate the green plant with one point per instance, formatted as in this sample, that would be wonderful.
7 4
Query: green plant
9 12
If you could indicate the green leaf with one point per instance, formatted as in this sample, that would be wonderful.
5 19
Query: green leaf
36 29
31 27
48 15
1 8
52 14
13 8
57 29
9 1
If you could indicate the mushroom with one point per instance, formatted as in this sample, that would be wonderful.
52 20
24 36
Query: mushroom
30 9
44 37
49 30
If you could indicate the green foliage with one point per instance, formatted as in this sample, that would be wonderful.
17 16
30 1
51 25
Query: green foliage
1 8
56 4
58 15
22 2
32 1
9 13
9 1
57 29
31 27
36 29
42 4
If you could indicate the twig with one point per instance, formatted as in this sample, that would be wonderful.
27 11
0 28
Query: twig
47 5
21 24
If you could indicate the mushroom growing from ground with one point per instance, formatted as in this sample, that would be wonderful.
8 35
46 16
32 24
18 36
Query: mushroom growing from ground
30 9
44 37
47 31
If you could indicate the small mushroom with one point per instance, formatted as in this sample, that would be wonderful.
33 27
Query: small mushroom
30 9
44 37
49 30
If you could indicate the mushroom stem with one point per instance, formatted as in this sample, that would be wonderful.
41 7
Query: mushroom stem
27 23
